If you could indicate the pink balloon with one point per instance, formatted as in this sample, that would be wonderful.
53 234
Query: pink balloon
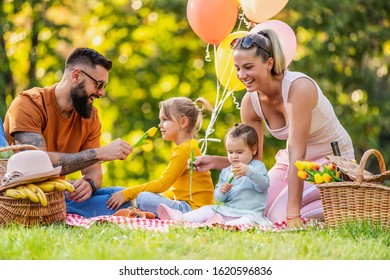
212 20
286 35
261 10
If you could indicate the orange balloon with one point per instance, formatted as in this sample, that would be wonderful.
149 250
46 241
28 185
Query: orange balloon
261 10
224 63
212 20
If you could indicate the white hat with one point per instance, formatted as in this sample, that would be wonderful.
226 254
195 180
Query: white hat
27 167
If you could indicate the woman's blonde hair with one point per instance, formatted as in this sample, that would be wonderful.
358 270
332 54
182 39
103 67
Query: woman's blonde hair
267 45
177 107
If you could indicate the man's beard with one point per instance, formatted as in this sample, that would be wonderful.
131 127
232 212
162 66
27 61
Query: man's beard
80 101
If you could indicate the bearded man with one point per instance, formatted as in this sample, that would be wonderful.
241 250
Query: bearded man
61 120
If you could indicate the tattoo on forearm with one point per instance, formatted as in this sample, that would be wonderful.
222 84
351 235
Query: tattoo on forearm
70 162
30 138
75 162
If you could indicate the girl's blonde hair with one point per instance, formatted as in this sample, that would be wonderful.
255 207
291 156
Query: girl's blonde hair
267 45
177 107
245 132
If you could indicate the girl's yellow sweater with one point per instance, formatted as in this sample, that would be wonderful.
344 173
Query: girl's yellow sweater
175 181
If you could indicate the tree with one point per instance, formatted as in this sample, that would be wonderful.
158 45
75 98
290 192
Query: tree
156 55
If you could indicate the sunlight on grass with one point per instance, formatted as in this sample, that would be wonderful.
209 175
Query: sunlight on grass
110 242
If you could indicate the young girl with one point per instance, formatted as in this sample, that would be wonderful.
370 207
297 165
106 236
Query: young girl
180 119
244 196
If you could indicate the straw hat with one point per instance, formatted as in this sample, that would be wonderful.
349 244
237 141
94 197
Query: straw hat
27 167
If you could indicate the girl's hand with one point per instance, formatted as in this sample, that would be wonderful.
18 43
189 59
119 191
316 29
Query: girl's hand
225 187
115 201
240 169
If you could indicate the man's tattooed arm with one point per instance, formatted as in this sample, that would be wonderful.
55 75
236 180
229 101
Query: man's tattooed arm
74 162
69 162
30 138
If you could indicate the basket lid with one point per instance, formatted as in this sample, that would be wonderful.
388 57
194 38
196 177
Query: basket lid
348 167
353 171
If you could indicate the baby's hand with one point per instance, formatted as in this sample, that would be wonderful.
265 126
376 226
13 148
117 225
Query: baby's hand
225 187
240 169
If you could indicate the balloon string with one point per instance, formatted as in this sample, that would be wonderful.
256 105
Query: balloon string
207 58
248 24
235 102
219 102
214 113
240 17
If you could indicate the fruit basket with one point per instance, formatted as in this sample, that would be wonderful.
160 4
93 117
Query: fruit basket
364 198
37 201
29 213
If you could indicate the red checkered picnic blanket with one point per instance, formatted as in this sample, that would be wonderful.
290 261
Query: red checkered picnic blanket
164 225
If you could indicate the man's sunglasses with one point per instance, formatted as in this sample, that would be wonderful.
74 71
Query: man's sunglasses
246 43
98 84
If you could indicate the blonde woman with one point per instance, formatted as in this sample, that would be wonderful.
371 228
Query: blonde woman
293 108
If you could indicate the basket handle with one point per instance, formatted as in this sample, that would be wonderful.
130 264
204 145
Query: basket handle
17 147
363 161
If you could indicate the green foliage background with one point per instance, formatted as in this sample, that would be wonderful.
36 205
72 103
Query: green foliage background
344 45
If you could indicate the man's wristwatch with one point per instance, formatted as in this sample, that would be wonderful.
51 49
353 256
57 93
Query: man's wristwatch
92 183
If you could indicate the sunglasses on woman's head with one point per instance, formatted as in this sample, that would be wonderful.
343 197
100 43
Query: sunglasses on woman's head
98 84
246 42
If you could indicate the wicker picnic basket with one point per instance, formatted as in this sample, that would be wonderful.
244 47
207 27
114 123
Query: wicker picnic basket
24 211
363 198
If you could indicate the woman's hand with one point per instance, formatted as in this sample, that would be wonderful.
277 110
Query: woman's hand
207 162
295 223
115 201
202 163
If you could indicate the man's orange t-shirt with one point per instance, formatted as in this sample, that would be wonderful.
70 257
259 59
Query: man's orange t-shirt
35 110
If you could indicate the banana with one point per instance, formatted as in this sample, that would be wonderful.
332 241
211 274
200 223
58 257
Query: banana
69 186
38 193
58 186
46 187
15 193
42 197
30 194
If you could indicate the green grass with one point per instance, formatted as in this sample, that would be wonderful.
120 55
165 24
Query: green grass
110 242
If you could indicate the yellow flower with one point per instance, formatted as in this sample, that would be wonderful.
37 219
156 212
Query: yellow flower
140 141
152 131
194 143
327 178
315 166
331 167
308 165
302 174
318 178
300 165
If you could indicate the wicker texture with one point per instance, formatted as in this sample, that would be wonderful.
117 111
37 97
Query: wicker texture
24 211
365 198
3 168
